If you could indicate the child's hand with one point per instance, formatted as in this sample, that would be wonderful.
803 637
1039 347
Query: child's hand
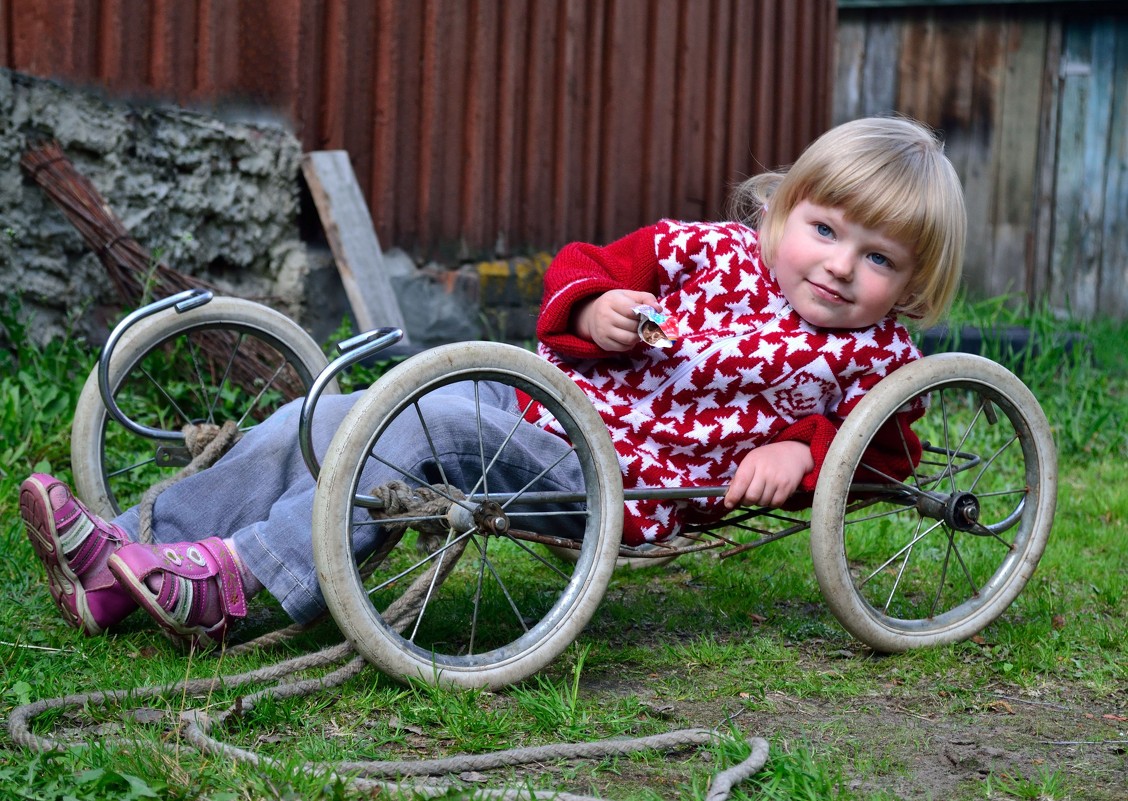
769 474
607 319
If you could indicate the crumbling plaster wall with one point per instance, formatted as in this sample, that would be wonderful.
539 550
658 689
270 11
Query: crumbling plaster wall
214 199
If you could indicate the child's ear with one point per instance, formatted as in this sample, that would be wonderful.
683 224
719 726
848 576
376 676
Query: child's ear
907 300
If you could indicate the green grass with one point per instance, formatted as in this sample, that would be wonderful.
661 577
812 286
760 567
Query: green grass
1033 707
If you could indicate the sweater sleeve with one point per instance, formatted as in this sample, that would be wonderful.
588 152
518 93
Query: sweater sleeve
581 271
894 451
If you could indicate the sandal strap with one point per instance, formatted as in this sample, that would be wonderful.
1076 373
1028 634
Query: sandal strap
233 594
183 596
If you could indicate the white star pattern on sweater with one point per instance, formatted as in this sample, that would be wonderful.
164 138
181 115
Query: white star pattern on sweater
672 267
713 287
701 432
712 238
731 424
796 343
715 320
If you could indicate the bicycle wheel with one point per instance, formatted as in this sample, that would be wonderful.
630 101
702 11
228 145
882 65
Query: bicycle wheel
506 608
935 558
230 359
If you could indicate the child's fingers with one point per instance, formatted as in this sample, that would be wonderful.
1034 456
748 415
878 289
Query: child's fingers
618 337
645 299
756 486
742 490
623 302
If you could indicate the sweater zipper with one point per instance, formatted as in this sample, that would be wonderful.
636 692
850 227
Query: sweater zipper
691 365
686 368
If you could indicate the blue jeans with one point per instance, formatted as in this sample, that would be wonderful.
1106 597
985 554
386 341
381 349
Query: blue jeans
261 492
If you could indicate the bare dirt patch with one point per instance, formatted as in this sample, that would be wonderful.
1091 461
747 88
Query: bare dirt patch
916 745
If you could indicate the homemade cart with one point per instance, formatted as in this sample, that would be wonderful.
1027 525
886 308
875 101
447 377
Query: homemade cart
926 560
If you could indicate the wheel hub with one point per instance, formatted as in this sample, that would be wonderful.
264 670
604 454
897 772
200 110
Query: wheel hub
961 511
490 518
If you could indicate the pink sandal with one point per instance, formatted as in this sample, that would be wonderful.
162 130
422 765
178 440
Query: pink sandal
74 545
196 591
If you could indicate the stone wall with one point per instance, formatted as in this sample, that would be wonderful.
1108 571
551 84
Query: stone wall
214 199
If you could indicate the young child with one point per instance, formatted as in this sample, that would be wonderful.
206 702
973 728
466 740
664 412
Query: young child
788 317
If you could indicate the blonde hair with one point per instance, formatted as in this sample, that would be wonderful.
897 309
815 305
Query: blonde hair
886 173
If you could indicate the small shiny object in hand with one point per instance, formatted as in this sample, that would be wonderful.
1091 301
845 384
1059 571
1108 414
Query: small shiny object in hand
656 327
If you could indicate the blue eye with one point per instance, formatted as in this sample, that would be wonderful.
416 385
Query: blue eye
879 260
822 229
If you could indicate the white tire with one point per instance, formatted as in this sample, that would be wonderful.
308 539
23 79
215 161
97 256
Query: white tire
508 608
160 377
935 559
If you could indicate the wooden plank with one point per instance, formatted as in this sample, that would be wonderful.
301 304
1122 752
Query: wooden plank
1016 167
848 81
976 149
1114 252
880 73
1043 283
348 227
1095 160
1068 174
1082 164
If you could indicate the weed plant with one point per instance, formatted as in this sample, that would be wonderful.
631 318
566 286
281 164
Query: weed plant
1034 707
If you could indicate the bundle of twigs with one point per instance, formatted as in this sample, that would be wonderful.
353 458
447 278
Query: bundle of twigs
136 275
139 278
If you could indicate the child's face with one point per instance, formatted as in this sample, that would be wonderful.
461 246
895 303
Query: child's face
836 273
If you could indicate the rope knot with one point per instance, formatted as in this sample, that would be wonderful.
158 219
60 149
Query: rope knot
400 499
197 436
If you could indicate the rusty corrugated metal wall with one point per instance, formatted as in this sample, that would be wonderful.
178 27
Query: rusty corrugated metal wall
478 125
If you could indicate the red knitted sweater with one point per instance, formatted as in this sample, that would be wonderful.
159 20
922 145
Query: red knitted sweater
747 371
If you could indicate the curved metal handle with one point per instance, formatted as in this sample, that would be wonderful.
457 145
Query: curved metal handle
352 351
182 302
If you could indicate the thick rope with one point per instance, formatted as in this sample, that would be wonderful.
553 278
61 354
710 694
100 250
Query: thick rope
196 725
206 442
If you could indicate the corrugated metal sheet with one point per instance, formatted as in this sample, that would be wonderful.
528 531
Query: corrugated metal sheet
478 126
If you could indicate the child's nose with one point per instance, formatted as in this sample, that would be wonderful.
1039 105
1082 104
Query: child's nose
840 264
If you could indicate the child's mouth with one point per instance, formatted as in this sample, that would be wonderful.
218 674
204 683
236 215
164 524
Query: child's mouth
828 294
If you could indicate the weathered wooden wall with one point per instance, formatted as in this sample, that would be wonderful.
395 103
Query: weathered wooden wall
1033 103
477 122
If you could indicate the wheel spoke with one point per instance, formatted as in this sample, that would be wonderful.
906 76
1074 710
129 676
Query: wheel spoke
223 380
991 460
121 471
533 481
479 583
430 444
267 385
197 371
955 548
906 547
538 558
943 576
900 574
418 564
508 437
488 564
443 552
184 416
